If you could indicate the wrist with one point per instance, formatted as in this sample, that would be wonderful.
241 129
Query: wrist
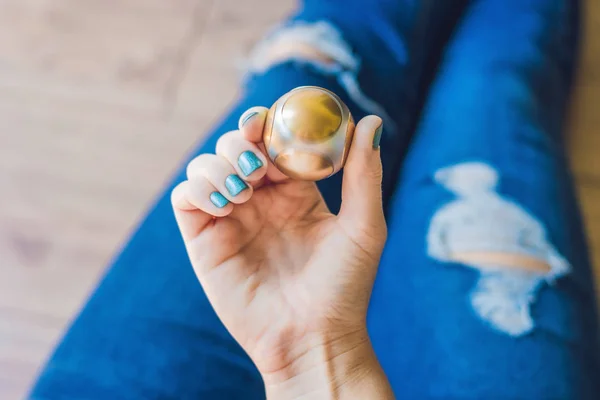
344 367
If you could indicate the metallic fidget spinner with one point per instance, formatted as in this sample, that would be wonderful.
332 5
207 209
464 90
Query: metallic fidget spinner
308 132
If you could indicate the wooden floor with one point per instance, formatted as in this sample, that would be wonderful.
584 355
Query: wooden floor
99 99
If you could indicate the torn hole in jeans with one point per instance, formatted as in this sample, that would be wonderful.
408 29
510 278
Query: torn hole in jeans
505 244
333 57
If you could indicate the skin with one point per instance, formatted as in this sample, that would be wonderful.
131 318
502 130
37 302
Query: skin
290 280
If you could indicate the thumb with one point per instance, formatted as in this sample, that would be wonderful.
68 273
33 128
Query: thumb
362 209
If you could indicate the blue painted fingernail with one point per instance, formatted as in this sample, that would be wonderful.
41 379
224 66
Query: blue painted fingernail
249 162
377 137
235 185
218 199
248 117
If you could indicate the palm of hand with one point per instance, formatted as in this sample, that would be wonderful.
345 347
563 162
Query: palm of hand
281 267
282 273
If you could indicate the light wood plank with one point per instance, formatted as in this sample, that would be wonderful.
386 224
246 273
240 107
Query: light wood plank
86 142
589 194
217 64
584 133
116 50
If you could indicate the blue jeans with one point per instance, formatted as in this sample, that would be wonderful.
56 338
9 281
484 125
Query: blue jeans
477 167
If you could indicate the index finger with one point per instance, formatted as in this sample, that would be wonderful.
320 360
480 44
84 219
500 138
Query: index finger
252 123
251 126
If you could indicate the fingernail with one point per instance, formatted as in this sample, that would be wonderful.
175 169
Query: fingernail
249 162
377 137
218 199
235 185
248 117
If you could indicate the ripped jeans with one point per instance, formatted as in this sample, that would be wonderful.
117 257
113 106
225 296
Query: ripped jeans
474 166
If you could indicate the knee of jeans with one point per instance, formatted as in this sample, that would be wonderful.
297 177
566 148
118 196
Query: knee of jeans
320 46
498 238
317 44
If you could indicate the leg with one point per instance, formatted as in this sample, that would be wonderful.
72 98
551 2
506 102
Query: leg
386 51
148 331
486 271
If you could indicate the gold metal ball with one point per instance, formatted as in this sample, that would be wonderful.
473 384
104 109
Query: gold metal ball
308 132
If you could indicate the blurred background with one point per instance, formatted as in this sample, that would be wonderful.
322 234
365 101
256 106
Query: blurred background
99 101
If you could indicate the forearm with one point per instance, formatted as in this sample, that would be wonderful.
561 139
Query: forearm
344 371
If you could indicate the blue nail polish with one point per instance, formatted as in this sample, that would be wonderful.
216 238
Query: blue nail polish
249 162
218 199
377 137
235 185
248 117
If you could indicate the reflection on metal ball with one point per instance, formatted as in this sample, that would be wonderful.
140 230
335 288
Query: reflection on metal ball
308 132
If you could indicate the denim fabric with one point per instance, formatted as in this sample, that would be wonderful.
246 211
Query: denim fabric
486 162
496 106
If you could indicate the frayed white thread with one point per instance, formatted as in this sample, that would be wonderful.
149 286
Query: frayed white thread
327 40
504 298
481 220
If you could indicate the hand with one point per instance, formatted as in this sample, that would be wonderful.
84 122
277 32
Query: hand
289 280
